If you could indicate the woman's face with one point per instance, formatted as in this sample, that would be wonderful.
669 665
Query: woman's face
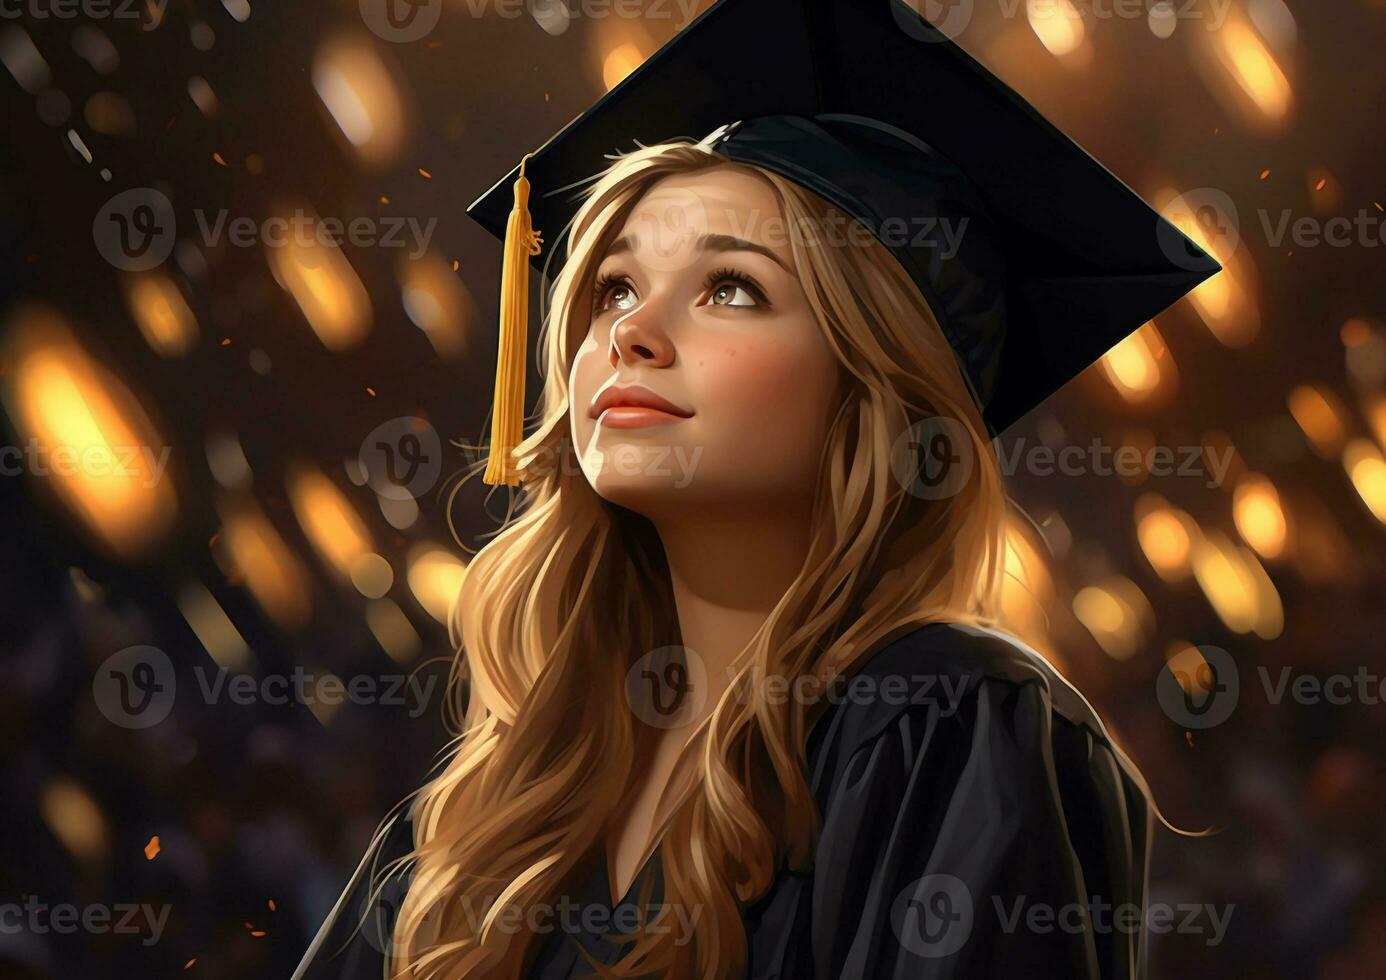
704 379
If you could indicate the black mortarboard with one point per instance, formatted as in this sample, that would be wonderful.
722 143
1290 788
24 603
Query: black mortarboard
875 109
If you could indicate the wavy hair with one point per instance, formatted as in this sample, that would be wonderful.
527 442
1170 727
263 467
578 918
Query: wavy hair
572 591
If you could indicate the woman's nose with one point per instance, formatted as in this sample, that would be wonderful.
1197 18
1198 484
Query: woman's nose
636 341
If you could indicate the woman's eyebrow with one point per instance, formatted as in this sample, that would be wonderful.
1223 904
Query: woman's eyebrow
627 244
730 243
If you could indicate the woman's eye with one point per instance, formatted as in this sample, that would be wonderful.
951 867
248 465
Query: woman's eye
730 294
613 293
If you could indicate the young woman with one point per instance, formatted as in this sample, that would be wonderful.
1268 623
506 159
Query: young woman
735 702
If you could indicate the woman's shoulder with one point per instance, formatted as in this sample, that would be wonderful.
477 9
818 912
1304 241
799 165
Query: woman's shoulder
965 771
949 670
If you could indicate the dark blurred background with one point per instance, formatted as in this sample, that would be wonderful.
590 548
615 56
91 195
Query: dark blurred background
229 528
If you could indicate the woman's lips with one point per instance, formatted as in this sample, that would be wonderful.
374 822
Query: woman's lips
635 417
634 407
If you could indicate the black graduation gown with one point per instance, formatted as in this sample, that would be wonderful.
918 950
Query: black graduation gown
976 823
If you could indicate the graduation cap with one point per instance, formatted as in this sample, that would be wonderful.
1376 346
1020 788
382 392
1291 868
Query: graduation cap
881 113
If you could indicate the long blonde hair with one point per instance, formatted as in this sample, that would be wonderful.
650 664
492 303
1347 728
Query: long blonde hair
573 591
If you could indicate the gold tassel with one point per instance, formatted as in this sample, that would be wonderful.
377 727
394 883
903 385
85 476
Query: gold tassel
508 411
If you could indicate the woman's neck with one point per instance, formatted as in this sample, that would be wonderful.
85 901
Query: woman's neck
728 571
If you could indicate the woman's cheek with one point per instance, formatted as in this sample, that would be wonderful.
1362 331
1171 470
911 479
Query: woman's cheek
587 374
756 382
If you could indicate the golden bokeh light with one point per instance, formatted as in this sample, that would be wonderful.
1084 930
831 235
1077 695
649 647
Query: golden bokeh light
309 264
619 62
1140 368
75 819
1117 614
392 630
208 620
435 576
363 97
1248 78
436 301
1237 587
1367 469
1321 416
331 524
1259 516
161 313
253 552
86 436
1166 536
1059 27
